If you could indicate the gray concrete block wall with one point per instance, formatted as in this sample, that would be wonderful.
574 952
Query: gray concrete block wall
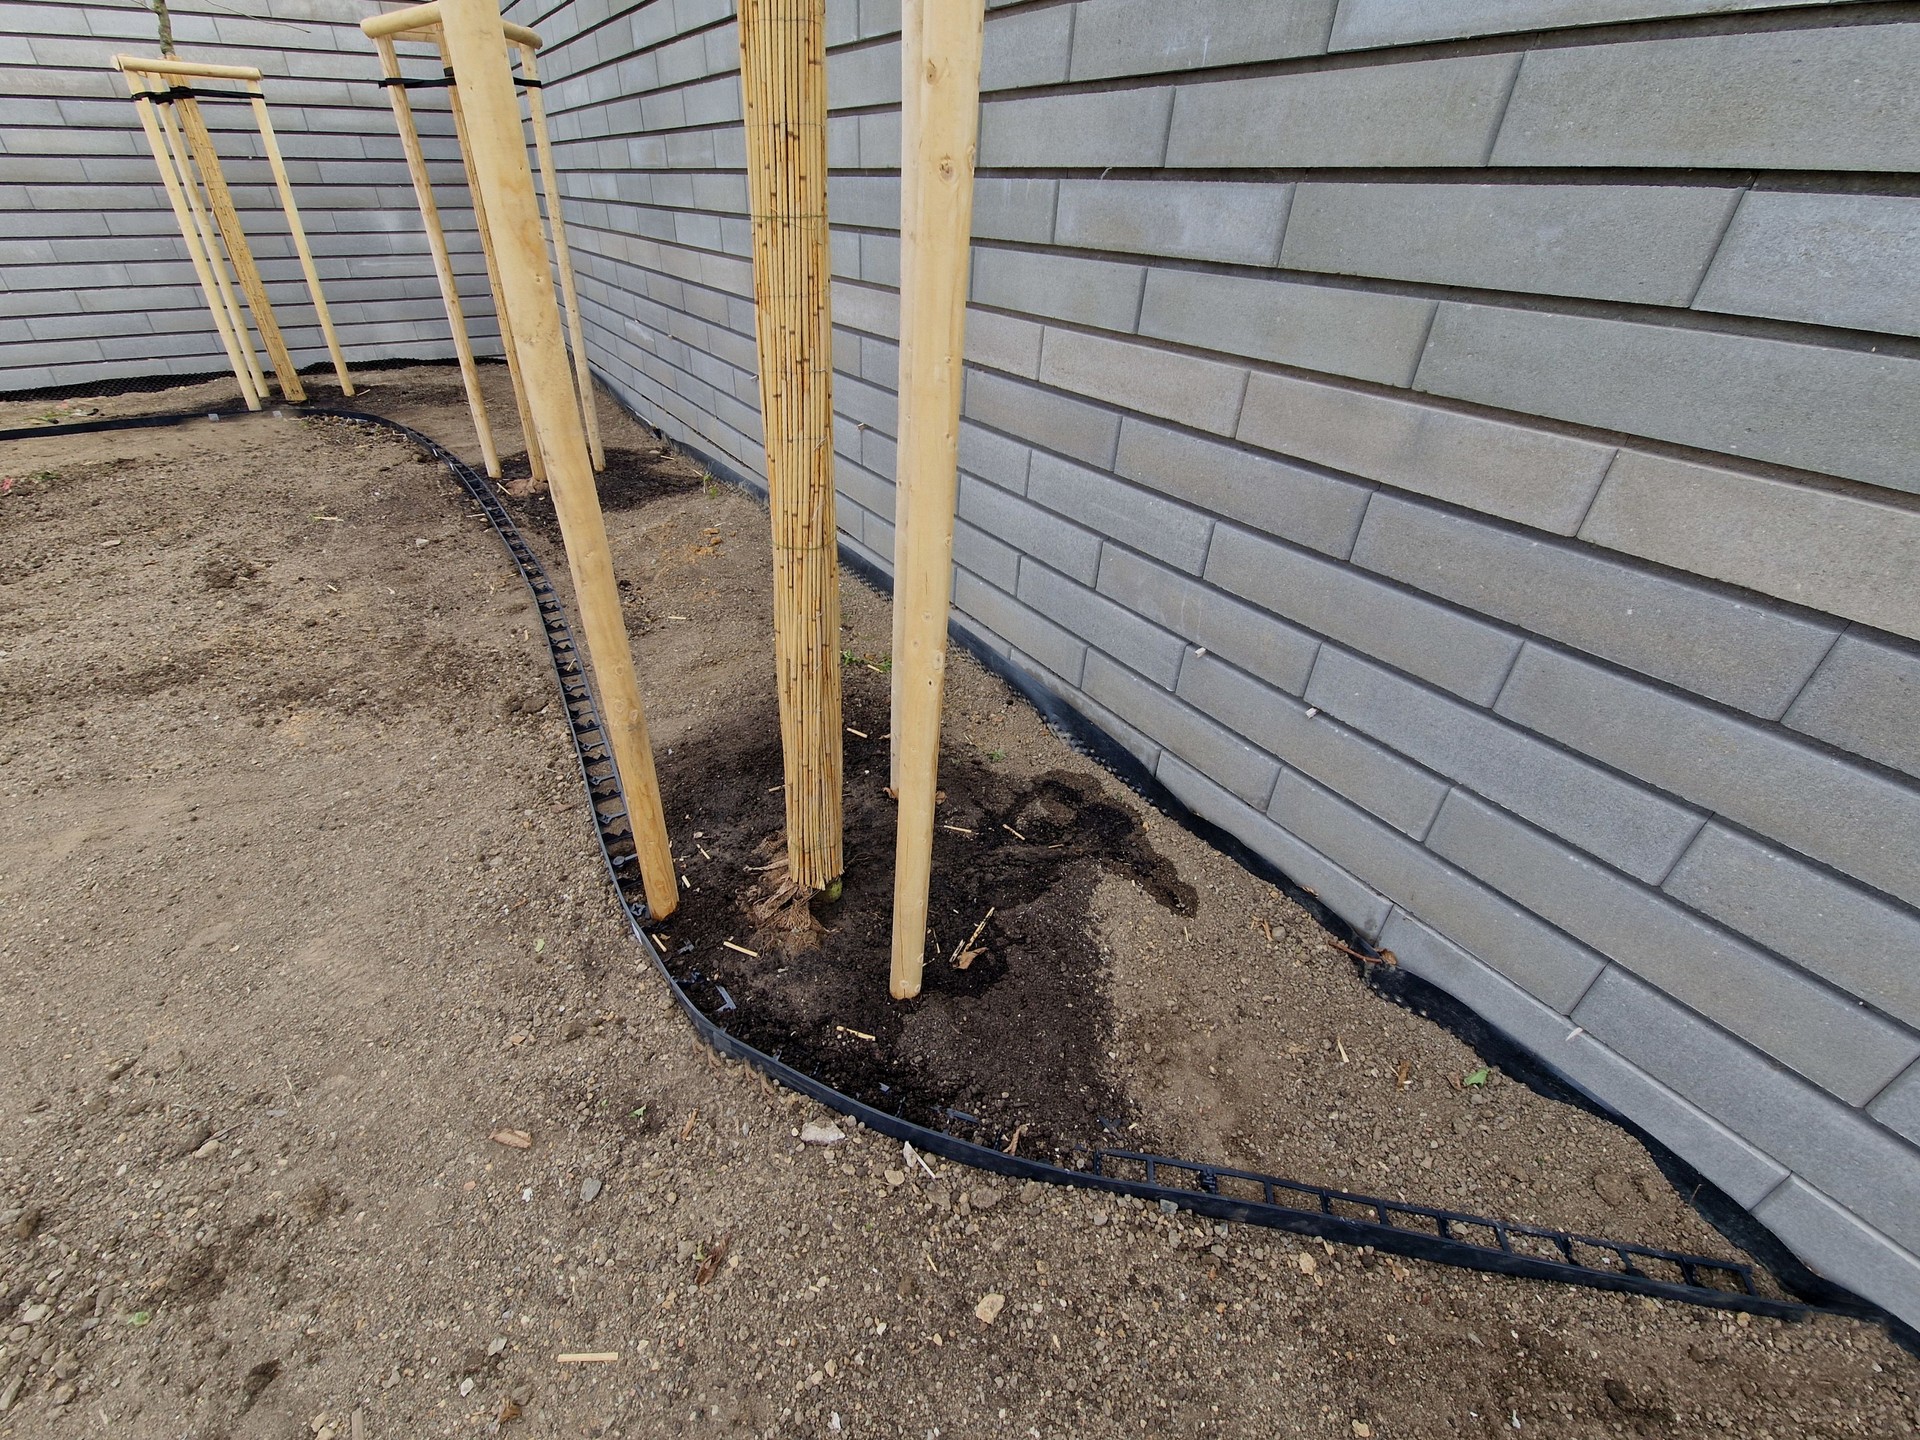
94 279
1512 541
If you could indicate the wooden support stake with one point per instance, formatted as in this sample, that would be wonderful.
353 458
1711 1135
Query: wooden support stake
193 124
271 144
171 182
536 463
784 83
937 160
472 36
437 247
910 40
557 228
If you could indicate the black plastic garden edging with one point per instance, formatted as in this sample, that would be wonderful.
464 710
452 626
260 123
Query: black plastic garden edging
1421 1232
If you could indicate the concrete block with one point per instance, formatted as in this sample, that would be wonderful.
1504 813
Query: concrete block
1865 698
1846 935
1137 518
867 75
994 458
1723 1157
1362 907
1850 816
1359 333
1531 476
1898 1107
1753 656
1029 48
1374 778
1830 1038
1142 37
879 17
1252 639
1544 963
1045 536
1835 551
1836 1243
1833 98
992 560
1061 287
1192 219
1364 24
1090 129
865 308
1647 244
1625 825
1007 207
1067 426
876 139
1059 650
1839 412
1202 393
1418 112
1214 750
1004 342
1812 1134
1846 260
1136 643
1465 655
870 201
1319 511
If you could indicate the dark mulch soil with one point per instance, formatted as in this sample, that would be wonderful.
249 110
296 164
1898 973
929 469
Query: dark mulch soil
1028 851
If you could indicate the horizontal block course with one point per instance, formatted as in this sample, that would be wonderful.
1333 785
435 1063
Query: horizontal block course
1630 827
1140 519
1519 473
1831 809
1136 643
1139 37
1249 637
1752 656
1840 412
1202 393
1357 333
1195 220
1845 260
1647 244
1244 769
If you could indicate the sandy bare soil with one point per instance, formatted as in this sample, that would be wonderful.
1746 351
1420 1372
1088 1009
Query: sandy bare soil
299 905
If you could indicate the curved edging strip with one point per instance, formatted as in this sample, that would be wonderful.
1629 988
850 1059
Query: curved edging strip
1420 1232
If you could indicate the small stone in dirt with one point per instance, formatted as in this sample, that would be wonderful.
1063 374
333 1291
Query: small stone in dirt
685 1250
985 1198
212 1147
816 1133
989 1308
896 1178
34 1314
466 1386
941 1197
64 1393
907 1288
28 1223
12 1392
512 1139
1307 1263
589 1189
1611 1187
573 1029
1167 1207
1031 1192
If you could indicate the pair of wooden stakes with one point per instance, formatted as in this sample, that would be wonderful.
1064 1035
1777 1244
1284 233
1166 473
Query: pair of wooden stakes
783 76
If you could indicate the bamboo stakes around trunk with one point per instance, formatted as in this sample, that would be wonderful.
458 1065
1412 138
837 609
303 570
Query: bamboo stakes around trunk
472 31
783 81
937 160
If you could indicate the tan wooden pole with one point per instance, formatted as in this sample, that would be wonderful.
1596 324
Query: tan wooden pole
784 84
937 161
271 144
437 247
536 463
910 42
557 227
210 240
472 34
170 181
220 201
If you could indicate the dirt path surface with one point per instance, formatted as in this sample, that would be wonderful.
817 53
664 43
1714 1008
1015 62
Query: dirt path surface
299 906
